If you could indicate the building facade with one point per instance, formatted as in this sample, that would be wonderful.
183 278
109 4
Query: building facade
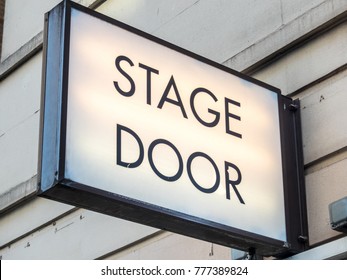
296 46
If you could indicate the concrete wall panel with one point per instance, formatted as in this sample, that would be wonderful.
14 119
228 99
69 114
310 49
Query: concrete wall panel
199 25
169 246
19 153
324 118
19 124
308 63
28 217
292 9
24 20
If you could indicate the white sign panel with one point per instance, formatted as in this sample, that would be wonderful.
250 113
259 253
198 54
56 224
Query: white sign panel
138 128
149 123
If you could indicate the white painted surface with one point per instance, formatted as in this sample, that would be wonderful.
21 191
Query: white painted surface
95 108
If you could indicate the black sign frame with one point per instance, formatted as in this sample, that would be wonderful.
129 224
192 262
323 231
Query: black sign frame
52 183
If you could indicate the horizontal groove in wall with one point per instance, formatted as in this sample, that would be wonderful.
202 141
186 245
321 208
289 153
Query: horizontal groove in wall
329 75
96 4
18 194
21 56
37 229
27 51
299 42
326 161
133 244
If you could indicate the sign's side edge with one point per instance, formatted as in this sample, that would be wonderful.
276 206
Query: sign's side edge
51 151
293 178
64 86
301 187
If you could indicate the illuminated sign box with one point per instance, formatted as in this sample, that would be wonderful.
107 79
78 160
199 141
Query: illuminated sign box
137 128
